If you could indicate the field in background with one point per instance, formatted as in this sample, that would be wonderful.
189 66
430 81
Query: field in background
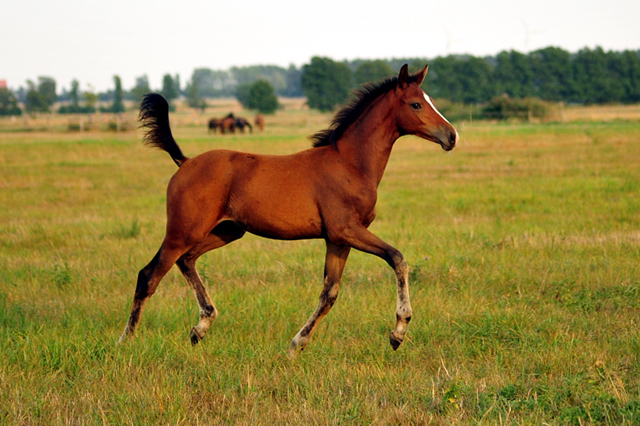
523 244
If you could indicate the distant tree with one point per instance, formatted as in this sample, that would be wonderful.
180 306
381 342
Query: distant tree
141 88
117 105
294 82
259 95
552 74
242 94
275 75
372 71
47 88
35 101
91 99
513 75
176 84
326 83
74 98
8 103
192 92
630 70
476 83
74 95
442 79
465 79
588 70
213 83
169 90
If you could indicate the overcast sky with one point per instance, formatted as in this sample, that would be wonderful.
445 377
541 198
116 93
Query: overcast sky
92 41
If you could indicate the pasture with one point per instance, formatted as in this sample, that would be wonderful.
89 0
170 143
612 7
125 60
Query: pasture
524 252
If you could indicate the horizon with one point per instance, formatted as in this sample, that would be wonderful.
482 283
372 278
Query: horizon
64 88
92 42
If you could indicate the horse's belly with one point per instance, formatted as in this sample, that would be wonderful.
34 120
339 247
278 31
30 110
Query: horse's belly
278 216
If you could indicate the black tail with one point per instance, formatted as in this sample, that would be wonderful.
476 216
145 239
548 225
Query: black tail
154 116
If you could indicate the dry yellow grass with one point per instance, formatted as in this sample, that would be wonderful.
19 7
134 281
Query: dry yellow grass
525 266
602 113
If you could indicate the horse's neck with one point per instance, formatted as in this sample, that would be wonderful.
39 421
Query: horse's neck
367 143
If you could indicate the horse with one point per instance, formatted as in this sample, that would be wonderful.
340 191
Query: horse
260 122
328 192
228 124
241 123
214 123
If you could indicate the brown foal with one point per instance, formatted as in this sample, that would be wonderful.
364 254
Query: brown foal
328 192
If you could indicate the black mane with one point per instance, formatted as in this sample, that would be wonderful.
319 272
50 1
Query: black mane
348 114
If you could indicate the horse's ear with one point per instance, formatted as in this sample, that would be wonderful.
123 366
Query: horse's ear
420 75
403 77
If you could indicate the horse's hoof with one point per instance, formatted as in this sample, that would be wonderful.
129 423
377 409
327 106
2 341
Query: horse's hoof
395 342
294 350
195 338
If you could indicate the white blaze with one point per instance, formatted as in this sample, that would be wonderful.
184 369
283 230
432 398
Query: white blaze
428 99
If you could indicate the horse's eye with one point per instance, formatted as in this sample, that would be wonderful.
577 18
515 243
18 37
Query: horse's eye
416 105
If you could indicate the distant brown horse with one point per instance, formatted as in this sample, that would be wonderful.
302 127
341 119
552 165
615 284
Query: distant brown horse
328 192
260 122
214 123
228 124
241 123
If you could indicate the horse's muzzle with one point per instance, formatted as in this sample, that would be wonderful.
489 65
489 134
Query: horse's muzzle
449 140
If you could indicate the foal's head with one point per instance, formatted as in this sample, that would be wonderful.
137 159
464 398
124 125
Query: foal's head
417 115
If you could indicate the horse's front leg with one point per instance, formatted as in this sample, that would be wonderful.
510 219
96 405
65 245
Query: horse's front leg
333 267
403 302
362 239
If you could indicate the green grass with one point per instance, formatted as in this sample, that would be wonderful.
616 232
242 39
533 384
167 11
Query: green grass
524 249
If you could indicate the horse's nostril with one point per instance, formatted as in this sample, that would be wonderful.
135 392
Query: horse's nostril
453 138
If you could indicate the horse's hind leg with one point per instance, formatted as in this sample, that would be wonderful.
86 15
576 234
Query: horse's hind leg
148 279
333 267
223 234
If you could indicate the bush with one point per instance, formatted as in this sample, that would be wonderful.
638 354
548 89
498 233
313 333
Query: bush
506 108
259 95
452 111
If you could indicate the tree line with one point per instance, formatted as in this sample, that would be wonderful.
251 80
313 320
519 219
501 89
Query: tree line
589 76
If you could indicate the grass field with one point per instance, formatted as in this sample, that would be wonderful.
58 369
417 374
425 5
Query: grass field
524 249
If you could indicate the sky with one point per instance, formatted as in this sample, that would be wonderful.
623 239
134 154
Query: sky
91 41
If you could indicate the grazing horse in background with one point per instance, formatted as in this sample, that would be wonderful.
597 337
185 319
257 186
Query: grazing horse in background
328 191
260 123
214 123
228 124
241 123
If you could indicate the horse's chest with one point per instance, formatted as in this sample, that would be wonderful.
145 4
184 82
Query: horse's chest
364 205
